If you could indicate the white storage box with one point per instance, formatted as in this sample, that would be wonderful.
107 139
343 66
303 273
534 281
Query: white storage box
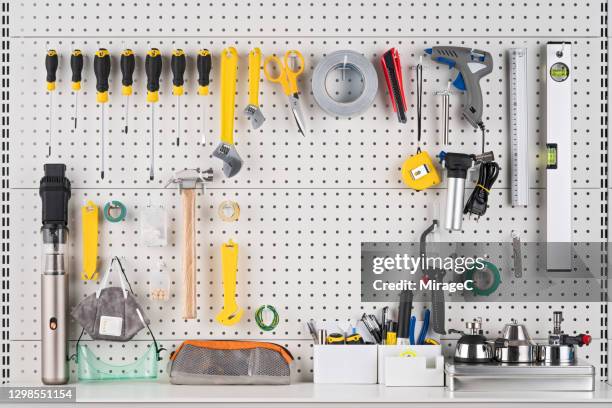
345 364
424 370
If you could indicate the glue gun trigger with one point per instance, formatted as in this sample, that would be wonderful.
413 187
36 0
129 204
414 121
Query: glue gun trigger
459 83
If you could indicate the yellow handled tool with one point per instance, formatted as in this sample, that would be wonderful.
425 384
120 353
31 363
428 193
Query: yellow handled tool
252 110
226 151
287 77
51 64
76 65
89 219
229 73
231 313
204 66
102 69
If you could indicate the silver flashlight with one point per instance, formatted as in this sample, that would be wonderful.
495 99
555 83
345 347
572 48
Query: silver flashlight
55 193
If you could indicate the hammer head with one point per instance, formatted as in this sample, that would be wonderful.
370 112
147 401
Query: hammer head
190 178
232 163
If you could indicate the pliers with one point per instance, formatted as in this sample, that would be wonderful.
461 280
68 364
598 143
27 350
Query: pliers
424 328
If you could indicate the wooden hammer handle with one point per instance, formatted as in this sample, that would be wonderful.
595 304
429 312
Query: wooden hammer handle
189 267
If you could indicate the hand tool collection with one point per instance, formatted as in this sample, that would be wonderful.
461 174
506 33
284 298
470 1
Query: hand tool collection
418 172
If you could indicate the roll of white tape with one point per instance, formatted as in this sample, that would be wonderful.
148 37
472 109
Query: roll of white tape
344 60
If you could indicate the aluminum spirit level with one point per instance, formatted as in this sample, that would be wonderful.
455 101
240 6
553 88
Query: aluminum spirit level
558 156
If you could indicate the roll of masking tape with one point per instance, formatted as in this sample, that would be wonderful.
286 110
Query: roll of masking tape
229 211
343 61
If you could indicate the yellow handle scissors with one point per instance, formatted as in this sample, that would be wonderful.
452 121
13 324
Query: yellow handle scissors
287 77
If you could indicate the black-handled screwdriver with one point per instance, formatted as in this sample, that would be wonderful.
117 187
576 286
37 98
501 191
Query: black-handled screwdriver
51 64
127 65
102 68
178 63
204 64
76 65
153 69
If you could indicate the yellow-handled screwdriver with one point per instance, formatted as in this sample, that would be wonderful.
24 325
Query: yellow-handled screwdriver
51 63
204 64
178 63
76 65
102 68
127 65
153 69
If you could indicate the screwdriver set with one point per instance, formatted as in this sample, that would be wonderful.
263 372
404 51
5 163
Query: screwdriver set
238 201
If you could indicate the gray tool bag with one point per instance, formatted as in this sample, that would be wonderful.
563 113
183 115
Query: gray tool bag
197 362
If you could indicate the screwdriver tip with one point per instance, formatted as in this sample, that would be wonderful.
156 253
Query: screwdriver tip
151 177
102 175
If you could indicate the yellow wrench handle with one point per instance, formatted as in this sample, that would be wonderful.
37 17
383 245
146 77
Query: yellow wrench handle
229 73
254 67
229 262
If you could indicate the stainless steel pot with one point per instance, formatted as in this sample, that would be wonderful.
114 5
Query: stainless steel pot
556 354
515 345
473 346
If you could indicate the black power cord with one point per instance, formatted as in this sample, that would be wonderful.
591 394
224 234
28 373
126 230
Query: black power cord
477 203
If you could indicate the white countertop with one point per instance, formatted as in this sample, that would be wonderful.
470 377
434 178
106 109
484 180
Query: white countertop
301 393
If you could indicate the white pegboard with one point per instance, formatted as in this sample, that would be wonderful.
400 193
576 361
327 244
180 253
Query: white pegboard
365 151
306 203
309 18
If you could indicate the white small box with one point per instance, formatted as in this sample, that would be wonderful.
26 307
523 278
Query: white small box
426 369
345 364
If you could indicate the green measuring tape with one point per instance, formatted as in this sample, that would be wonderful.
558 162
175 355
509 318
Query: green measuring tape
259 318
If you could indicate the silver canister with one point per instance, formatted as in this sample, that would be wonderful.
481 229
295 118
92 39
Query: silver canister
515 345
454 203
556 354
54 311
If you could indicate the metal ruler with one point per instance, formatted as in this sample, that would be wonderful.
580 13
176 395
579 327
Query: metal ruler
519 126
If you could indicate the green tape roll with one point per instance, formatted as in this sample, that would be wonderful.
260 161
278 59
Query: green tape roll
111 205
496 280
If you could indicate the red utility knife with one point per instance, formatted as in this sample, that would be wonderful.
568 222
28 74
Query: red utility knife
392 68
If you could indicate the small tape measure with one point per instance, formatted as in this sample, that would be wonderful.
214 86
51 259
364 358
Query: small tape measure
335 338
419 172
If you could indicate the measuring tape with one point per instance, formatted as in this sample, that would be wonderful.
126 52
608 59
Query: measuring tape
519 126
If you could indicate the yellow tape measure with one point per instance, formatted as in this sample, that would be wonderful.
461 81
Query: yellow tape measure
419 172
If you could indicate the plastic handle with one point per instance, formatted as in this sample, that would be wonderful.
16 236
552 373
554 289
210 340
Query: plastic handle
229 72
76 65
89 220
102 68
254 67
51 63
292 74
281 78
178 63
204 65
127 64
153 69
229 260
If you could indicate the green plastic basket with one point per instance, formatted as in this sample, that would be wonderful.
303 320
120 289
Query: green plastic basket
92 368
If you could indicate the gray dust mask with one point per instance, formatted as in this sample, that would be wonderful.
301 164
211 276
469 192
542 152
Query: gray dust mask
111 313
